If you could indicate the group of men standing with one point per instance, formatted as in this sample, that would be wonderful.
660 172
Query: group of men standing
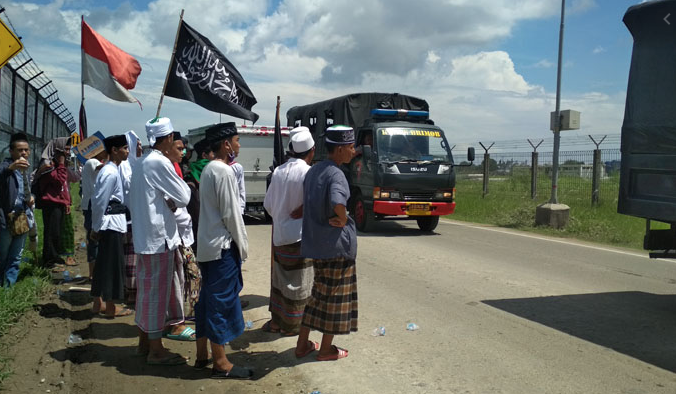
140 216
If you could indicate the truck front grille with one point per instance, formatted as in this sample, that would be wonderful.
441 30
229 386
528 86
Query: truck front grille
418 196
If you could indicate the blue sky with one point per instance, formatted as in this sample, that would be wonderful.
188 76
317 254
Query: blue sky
486 67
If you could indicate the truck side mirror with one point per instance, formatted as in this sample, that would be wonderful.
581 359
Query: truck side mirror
470 153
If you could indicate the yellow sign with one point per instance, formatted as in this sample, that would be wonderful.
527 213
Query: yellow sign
10 45
413 132
74 139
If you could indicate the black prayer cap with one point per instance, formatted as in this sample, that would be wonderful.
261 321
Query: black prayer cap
177 135
115 141
18 137
221 131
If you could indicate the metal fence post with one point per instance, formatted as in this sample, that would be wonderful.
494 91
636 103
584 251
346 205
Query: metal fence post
596 171
534 170
486 165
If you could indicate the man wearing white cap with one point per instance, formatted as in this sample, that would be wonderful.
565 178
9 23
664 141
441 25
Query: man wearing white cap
155 189
292 275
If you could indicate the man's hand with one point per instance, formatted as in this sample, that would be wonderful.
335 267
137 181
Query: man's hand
297 213
31 202
94 236
340 220
19 164
60 158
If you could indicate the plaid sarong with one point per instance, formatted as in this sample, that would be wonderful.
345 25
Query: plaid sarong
159 301
332 309
292 277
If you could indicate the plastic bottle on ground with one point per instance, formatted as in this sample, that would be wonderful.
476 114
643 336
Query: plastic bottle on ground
378 331
412 326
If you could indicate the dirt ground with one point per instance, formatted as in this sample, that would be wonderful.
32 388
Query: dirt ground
104 362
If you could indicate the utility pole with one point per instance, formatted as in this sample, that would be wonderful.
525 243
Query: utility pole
552 213
554 199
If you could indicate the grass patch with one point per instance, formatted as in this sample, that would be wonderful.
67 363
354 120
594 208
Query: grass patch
508 204
33 282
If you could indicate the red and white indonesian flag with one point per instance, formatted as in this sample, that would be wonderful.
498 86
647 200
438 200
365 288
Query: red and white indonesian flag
106 67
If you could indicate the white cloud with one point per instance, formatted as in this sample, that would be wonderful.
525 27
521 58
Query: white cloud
310 50
598 49
544 63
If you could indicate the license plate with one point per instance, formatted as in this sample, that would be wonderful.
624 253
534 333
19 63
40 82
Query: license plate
418 209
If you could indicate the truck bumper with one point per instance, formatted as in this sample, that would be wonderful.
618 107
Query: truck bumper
410 208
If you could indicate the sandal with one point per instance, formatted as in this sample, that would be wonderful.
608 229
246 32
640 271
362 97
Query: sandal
267 327
188 334
234 373
118 313
201 364
309 349
169 359
340 353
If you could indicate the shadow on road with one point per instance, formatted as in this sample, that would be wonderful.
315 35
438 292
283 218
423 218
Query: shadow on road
391 228
637 324
124 360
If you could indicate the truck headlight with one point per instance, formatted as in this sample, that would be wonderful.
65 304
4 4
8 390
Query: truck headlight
444 169
443 195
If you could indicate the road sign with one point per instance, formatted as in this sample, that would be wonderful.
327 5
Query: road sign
10 45
74 139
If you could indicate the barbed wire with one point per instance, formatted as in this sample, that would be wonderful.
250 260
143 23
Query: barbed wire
611 140
24 65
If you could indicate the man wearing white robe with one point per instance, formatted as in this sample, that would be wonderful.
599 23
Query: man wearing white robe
109 225
156 189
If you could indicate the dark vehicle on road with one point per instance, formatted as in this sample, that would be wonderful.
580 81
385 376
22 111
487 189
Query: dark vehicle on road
648 168
403 167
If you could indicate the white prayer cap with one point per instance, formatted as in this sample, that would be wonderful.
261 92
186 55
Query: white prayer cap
296 130
302 141
158 127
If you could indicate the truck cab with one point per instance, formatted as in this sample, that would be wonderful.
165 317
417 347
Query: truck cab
403 168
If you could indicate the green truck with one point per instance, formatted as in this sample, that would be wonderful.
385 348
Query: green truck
648 168
403 169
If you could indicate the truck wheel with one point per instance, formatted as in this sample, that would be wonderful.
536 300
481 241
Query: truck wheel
428 223
362 217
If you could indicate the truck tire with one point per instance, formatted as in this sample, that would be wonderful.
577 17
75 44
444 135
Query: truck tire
428 223
363 219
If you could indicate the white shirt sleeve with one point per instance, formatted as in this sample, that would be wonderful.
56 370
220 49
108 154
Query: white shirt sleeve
103 190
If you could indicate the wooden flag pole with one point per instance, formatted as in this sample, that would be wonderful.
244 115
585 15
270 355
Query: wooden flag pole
171 61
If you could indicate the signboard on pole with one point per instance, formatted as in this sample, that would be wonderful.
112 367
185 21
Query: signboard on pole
89 147
10 45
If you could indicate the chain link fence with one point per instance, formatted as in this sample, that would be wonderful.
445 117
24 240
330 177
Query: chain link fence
511 173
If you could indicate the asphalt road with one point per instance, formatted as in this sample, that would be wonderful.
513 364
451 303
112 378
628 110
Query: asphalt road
498 311
501 311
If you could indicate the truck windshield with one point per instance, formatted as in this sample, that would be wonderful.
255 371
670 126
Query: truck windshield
412 144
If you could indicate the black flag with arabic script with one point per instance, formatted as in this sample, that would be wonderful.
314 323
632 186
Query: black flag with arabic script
201 74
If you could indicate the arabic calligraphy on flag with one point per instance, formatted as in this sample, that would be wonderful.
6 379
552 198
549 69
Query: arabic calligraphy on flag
201 73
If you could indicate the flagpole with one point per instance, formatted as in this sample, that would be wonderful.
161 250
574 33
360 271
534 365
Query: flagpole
82 55
171 61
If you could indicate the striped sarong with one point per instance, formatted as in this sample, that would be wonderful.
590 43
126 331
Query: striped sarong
159 300
332 308
291 287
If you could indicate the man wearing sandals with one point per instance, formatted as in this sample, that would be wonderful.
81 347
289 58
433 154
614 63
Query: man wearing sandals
221 247
330 241
154 187
292 275
109 225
